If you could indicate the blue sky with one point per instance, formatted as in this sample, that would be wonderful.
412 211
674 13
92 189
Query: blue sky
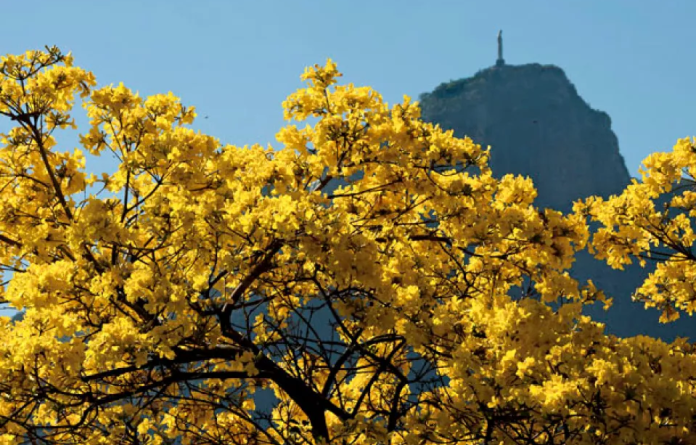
237 60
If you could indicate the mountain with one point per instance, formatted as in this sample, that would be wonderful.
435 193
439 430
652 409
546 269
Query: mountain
538 126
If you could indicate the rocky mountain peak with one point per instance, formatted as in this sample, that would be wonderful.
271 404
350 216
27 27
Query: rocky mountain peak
537 125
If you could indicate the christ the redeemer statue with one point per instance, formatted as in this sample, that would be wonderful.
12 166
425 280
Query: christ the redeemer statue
500 61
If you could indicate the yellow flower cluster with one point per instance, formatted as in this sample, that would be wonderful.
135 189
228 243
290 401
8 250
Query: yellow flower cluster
652 221
371 272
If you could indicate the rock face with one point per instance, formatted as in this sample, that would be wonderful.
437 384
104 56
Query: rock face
538 126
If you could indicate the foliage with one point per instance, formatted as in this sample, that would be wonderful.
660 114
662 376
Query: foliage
652 220
423 302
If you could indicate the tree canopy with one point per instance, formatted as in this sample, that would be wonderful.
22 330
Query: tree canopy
419 301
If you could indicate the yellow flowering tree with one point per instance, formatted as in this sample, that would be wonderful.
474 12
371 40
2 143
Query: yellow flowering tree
652 221
421 301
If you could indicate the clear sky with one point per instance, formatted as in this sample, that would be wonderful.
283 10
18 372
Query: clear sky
237 60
